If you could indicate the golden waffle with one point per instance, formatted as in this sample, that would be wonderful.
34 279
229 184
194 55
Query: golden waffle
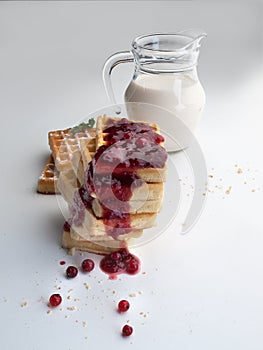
93 228
47 181
135 207
71 241
65 145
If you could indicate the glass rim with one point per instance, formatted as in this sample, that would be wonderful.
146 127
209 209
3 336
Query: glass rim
136 42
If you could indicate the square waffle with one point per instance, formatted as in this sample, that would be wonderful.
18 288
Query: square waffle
72 242
65 145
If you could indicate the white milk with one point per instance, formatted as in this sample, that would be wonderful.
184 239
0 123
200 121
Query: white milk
181 98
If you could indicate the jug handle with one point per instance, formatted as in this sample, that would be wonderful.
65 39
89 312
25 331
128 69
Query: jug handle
112 62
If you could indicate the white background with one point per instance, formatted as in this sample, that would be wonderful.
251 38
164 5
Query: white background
200 291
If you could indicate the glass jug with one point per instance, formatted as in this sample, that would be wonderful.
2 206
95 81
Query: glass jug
165 88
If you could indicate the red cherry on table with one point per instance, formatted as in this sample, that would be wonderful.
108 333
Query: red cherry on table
123 306
71 271
55 300
87 265
127 330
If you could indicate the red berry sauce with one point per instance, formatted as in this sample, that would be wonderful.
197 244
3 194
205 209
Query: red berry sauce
66 226
119 262
62 262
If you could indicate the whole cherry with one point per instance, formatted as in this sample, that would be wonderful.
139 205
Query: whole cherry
55 300
123 306
87 265
127 330
71 271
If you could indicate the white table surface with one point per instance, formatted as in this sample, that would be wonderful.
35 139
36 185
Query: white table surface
202 290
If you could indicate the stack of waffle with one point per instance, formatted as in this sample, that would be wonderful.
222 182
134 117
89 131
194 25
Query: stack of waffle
109 204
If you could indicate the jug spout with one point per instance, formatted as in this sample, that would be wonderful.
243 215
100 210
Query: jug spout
199 38
191 38
193 33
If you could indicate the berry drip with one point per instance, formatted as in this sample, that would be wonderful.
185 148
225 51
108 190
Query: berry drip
66 226
121 261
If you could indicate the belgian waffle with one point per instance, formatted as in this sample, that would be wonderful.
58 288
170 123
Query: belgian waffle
47 181
95 229
65 146
135 207
72 241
